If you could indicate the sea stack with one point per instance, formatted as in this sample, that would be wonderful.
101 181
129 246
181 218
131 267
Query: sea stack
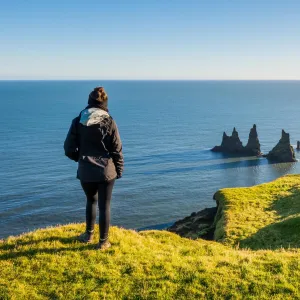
283 151
253 145
230 144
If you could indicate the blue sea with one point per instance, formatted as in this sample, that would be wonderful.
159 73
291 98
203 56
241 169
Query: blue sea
167 129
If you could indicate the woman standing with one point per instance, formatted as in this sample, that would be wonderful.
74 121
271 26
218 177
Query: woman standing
94 141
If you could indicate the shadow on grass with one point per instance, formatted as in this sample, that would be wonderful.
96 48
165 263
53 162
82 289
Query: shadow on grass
37 241
285 232
14 252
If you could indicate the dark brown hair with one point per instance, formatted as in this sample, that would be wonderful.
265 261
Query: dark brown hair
99 94
98 98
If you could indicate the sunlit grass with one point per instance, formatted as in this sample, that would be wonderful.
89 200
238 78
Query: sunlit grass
265 216
51 264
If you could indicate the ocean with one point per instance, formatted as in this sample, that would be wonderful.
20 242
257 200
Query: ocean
167 129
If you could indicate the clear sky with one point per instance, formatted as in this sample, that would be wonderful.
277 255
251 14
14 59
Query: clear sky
155 39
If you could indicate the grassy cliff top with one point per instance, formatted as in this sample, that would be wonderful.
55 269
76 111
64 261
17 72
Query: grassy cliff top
265 216
50 264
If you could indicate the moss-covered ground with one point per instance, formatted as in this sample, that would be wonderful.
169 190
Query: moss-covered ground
265 216
51 264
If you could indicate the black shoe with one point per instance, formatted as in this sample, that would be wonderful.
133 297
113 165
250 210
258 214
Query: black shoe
103 245
86 237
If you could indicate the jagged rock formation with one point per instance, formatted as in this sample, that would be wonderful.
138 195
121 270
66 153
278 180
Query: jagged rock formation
197 225
253 145
283 151
230 144
233 144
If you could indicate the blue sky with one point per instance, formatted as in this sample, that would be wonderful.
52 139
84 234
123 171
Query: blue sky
216 39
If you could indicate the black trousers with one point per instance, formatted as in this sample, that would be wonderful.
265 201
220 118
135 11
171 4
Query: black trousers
98 192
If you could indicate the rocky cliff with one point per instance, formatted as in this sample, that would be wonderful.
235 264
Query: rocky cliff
283 151
197 225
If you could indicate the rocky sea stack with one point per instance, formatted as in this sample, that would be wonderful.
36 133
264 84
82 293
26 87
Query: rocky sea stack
253 145
283 151
232 144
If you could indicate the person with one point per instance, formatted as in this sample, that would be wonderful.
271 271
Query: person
94 142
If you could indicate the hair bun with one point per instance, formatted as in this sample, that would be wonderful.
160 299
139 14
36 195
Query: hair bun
99 94
99 89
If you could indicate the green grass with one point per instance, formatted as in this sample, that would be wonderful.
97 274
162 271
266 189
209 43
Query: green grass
51 264
265 216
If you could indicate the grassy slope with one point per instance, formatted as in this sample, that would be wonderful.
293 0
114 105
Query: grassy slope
265 216
50 264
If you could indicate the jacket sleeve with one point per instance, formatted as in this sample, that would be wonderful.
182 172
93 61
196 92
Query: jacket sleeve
71 144
116 150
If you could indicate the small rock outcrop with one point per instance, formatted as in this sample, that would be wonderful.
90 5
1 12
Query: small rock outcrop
253 145
232 144
283 151
197 225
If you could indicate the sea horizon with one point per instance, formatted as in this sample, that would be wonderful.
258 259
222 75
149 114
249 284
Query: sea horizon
158 80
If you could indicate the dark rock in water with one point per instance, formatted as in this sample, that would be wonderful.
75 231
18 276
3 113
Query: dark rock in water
253 145
197 225
233 144
230 144
298 145
283 151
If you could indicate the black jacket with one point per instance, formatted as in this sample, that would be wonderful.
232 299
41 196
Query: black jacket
94 141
